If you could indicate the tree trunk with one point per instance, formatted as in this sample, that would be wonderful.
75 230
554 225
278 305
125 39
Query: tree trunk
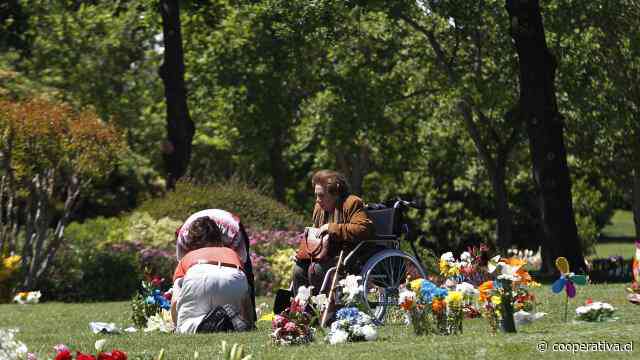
545 130
180 127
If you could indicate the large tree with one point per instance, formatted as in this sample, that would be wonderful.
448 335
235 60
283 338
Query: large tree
180 127
544 124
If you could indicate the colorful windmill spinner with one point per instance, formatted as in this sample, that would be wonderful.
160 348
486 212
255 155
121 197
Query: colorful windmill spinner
567 278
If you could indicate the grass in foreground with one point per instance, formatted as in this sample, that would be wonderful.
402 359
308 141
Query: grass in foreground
44 325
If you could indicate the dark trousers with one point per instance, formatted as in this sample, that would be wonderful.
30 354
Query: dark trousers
307 273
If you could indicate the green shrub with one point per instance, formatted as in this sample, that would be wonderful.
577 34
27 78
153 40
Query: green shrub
94 233
589 206
92 275
256 210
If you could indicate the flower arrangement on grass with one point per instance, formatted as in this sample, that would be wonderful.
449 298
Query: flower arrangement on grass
468 268
351 324
27 297
509 290
149 304
595 311
293 325
634 289
63 353
432 309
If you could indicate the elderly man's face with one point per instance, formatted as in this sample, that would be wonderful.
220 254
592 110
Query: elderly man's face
325 200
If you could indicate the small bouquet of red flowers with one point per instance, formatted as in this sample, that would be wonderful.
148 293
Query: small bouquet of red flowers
63 353
293 325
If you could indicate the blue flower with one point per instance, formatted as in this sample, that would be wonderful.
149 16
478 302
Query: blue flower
350 314
440 293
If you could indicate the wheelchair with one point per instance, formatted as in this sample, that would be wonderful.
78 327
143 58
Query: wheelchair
386 270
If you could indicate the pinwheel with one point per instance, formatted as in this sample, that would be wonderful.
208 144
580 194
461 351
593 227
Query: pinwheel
566 281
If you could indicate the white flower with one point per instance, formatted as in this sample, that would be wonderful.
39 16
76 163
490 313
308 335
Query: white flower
356 330
338 337
606 306
320 301
465 256
159 322
99 345
369 332
467 289
582 310
365 319
493 264
11 348
350 287
448 257
33 297
304 293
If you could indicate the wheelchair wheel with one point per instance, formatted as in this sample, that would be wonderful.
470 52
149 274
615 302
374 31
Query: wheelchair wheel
382 276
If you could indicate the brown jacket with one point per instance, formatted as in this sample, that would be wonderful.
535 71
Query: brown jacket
348 224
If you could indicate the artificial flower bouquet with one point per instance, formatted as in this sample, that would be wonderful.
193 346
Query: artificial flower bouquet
351 324
468 268
293 325
150 302
432 309
27 297
595 311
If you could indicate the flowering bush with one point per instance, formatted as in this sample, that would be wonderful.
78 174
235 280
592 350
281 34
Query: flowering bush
282 267
27 297
595 311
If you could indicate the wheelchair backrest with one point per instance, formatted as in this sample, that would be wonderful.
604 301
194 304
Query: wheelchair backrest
385 220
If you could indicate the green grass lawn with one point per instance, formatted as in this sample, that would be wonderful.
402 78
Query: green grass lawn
621 225
44 325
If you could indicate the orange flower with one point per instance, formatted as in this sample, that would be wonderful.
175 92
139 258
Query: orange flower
407 304
524 276
514 261
485 288
437 305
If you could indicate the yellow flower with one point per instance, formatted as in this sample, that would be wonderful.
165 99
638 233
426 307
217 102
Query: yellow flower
454 297
11 262
454 271
496 299
267 317
534 284
416 284
444 267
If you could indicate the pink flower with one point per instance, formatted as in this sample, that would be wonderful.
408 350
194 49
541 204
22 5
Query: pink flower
279 321
60 348
290 327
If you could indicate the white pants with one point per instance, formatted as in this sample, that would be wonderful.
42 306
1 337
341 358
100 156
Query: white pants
206 286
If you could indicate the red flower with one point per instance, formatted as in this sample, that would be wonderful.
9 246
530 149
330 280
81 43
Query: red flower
295 307
167 295
63 355
589 301
113 355
157 281
81 356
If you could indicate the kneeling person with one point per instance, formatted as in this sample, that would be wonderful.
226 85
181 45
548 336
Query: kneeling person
211 291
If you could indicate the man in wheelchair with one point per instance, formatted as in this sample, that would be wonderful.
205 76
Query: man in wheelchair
340 221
